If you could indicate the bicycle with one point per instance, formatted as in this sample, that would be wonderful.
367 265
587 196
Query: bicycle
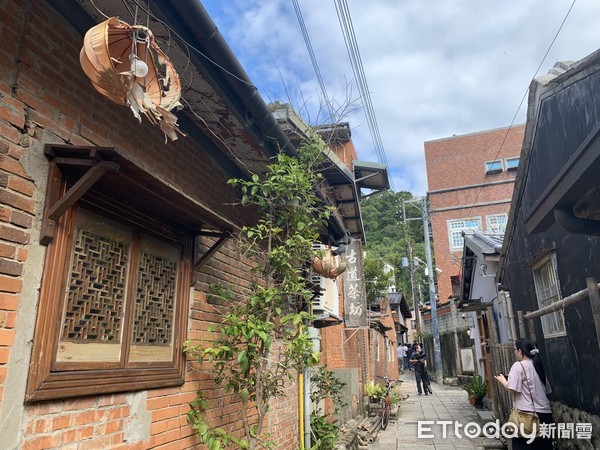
386 405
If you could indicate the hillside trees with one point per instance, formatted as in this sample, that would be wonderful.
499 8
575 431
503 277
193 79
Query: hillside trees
388 236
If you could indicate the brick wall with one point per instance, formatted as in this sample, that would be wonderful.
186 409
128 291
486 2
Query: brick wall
459 162
45 98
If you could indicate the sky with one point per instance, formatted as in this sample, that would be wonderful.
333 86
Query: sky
434 68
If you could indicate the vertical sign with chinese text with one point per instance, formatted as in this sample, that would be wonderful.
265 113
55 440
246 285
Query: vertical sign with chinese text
355 296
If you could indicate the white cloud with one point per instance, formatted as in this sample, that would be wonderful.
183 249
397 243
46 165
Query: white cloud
434 67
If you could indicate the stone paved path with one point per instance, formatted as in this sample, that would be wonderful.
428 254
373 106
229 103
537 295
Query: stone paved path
446 403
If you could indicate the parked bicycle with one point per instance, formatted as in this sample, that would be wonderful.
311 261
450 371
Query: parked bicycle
386 405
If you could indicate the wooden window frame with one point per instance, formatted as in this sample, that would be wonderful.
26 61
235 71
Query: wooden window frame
549 263
45 380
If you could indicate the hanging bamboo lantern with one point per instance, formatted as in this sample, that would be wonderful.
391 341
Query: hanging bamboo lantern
125 64
329 265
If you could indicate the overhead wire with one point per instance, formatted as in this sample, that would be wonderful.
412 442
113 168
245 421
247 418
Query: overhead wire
315 64
485 177
345 19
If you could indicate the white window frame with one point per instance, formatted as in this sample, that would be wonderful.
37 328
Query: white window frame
507 162
491 218
499 162
547 291
455 230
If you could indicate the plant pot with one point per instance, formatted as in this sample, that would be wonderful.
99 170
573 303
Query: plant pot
472 400
478 403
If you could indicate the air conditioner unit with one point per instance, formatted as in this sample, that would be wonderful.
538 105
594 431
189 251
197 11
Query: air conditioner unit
326 301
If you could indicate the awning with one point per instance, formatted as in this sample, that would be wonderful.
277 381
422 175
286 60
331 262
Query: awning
473 304
134 186
370 175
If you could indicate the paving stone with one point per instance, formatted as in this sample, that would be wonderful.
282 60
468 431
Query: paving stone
448 403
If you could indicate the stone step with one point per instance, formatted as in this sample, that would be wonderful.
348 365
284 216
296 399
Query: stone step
484 416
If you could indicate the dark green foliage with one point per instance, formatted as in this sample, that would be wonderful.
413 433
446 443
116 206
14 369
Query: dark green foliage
324 431
388 235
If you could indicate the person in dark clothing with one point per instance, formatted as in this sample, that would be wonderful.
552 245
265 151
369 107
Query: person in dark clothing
409 353
419 362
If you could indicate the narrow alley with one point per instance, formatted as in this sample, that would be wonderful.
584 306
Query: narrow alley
447 403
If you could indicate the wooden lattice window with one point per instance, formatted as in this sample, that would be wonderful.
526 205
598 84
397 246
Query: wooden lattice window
113 304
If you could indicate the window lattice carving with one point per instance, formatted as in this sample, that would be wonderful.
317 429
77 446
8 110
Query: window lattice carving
96 295
155 301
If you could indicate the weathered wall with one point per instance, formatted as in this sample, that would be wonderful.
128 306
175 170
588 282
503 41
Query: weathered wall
566 115
45 98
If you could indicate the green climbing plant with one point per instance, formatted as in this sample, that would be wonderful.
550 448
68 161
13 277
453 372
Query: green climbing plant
325 429
262 340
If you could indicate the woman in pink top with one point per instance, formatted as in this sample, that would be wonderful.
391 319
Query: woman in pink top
527 382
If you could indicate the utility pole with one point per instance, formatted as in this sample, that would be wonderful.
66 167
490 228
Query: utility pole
432 296
411 267
412 286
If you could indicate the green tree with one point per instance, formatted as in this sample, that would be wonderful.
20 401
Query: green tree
377 282
262 341
388 234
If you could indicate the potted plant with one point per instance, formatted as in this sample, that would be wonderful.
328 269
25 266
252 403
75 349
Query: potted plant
374 391
477 390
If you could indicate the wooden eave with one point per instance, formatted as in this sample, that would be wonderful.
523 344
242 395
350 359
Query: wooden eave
109 174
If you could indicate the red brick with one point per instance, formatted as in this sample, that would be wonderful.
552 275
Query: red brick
13 235
5 214
21 219
157 403
110 400
41 443
88 417
166 413
79 403
9 267
16 201
96 444
11 319
118 413
9 133
11 165
4 353
22 254
9 284
20 185
60 422
13 117
6 337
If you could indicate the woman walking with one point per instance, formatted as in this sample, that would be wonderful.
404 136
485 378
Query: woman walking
527 382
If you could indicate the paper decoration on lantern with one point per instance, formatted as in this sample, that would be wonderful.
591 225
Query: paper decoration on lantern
125 64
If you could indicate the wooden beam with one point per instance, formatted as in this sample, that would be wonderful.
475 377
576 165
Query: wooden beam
80 187
216 246
48 227
521 324
594 293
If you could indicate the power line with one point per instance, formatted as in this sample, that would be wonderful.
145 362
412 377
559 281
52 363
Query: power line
485 176
315 64
521 104
352 48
